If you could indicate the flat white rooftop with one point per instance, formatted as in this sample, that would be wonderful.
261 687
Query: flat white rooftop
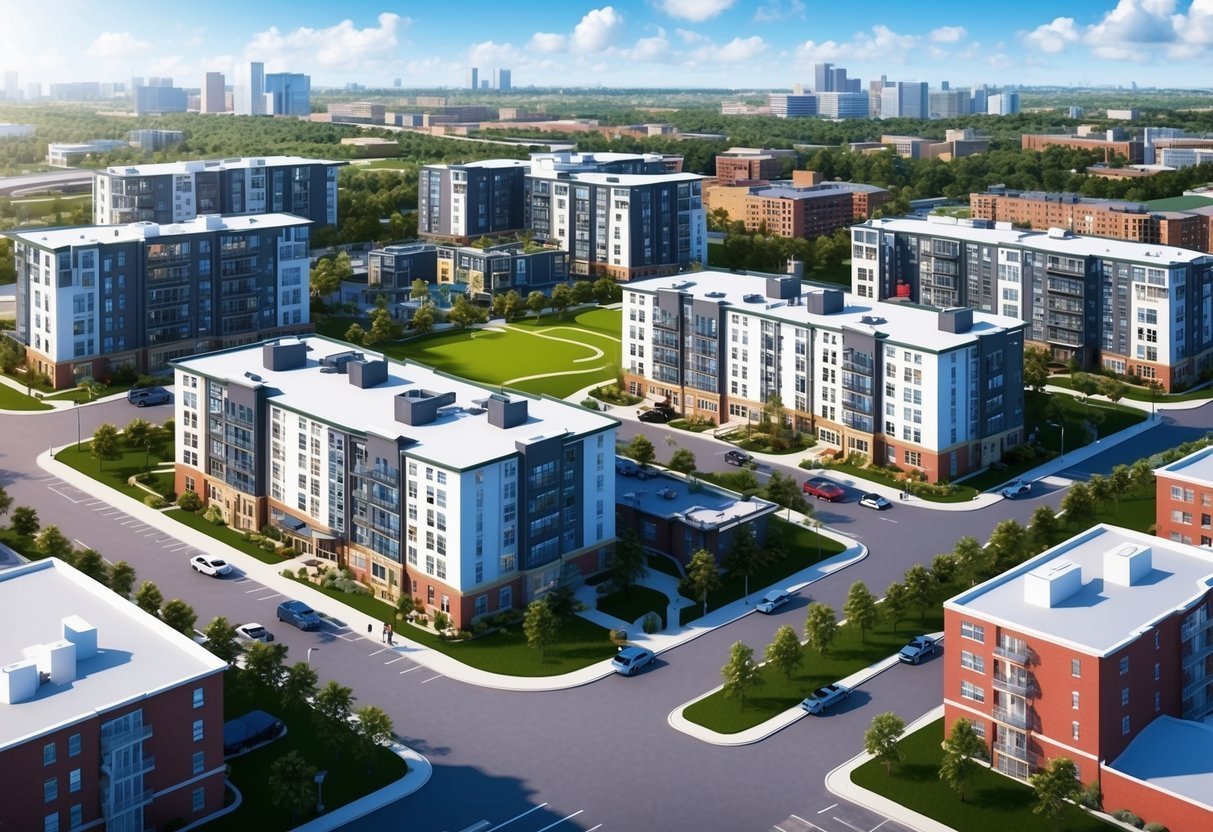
193 166
1172 754
623 180
904 323
703 505
1151 254
461 437
90 235
1100 616
137 654
1196 468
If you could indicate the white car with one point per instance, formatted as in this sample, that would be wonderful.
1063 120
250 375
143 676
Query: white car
210 565
917 649
825 697
630 660
773 600
1016 488
254 632
874 501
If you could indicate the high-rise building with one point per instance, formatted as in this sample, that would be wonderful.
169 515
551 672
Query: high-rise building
905 99
290 94
785 105
473 80
839 105
157 99
249 95
33 90
12 92
92 299
823 77
948 103
214 93
1003 104
501 79
979 96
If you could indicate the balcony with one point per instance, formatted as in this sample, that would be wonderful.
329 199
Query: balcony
1016 752
1019 687
368 496
1012 652
130 770
117 807
857 421
386 477
857 384
124 738
1016 719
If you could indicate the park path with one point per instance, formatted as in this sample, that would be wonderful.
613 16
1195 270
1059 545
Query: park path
598 353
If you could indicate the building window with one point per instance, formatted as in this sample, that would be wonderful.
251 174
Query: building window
1074 700
199 762
197 730
1157 701
199 699
199 798
51 823
1157 671
1124 725
1075 668
1124 697
975 663
73 745
1124 665
73 780
972 631
1074 730
48 754
50 789
77 816
971 691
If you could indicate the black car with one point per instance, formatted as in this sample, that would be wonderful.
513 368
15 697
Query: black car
738 458
144 396
656 415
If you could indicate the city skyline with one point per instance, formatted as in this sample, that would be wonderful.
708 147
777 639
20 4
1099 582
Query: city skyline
641 43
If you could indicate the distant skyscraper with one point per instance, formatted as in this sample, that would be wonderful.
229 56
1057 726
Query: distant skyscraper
905 99
249 98
290 94
159 98
396 83
473 78
823 78
501 79
214 97
979 96
33 90
1003 104
11 90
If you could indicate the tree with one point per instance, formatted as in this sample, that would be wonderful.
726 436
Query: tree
944 568
1114 389
292 782
896 602
1086 385
326 278
562 298
921 588
25 521
419 290
820 626
90 562
785 491
423 319
511 305
583 291
973 561
383 328
641 449
604 289
1035 368
299 684
263 663
1143 475
682 461
860 608
1008 543
105 444
180 616
1121 480
627 562
882 738
6 501
221 639
1043 529
334 705
1100 488
775 413
703 576
537 301
149 599
744 557
374 729
122 578
355 334
741 674
1055 784
51 543
961 750
540 626
1079 505
784 653
465 313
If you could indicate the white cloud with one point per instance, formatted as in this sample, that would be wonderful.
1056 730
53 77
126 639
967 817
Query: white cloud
689 36
778 10
116 46
1053 37
548 42
948 34
881 43
490 53
599 29
696 10
739 50
651 49
339 47
813 52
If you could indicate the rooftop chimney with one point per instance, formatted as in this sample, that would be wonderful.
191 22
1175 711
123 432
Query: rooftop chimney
1048 585
1127 564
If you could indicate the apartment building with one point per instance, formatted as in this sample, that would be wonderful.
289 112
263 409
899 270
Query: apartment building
936 391
1113 143
1184 499
92 299
743 164
795 208
1094 650
109 718
1116 218
478 272
174 192
417 481
1133 308
463 202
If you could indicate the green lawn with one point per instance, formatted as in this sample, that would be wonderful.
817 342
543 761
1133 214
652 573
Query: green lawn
634 602
846 655
1142 394
83 396
115 472
960 494
11 399
347 778
993 802
665 564
228 535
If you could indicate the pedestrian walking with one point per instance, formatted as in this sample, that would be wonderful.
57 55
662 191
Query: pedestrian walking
386 629
390 636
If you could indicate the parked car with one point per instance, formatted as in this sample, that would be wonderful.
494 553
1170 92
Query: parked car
253 632
738 458
630 660
143 396
210 565
298 614
625 467
657 415
773 600
874 501
1016 488
249 731
823 489
825 697
918 648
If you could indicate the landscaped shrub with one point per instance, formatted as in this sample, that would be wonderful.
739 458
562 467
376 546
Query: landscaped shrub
614 394
341 581
1155 827
301 574
1092 796
189 501
154 501
652 623
441 621
271 531
268 545
214 515
590 403
1125 816
1019 454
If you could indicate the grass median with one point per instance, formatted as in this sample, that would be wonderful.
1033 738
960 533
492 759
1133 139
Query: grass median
116 472
633 603
11 399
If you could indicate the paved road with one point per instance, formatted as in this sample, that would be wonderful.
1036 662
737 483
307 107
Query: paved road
599 756
67 180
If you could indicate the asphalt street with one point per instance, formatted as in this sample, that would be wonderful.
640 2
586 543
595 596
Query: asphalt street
598 756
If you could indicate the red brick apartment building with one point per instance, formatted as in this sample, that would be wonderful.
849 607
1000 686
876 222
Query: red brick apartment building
1184 499
1133 150
1099 650
108 717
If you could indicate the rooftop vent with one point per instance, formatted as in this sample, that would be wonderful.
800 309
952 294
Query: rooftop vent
783 288
956 320
1050 584
366 374
1127 564
824 302
505 412
338 360
753 298
420 407
715 295
1060 233
872 320
252 376
284 356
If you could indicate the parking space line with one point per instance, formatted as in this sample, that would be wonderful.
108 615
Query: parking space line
393 661
377 652
243 580
64 496
844 823
592 828
562 820
826 809
251 591
268 597
524 814
808 823
877 826
432 678
777 827
411 669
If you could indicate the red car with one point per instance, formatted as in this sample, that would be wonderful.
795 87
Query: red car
823 489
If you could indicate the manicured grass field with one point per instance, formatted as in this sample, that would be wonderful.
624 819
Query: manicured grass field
115 472
347 778
11 399
225 534
633 603
1142 394
993 803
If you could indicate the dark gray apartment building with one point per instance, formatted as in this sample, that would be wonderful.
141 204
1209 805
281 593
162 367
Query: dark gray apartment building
479 273
462 202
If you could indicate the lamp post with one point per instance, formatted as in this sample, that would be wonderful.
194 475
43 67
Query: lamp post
1061 427
77 409
320 775
309 655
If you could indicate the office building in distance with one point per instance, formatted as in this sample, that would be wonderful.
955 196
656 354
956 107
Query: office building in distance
288 94
905 99
248 96
214 94
90 300
937 392
1094 650
63 155
420 483
746 164
179 191
1138 309
1184 499
802 207
154 139
109 718
1110 143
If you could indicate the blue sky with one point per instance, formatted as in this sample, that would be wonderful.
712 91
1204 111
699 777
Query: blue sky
716 43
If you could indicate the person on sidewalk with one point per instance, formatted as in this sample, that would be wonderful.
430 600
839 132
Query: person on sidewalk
390 636
386 629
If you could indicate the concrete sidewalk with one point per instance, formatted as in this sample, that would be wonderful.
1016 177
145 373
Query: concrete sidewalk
1159 406
418 775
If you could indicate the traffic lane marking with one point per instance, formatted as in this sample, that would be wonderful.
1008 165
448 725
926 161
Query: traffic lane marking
826 809
562 820
516 817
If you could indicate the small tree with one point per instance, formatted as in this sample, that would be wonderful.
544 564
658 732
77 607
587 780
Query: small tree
627 562
292 782
221 639
374 729
1008 543
1143 474
105 444
641 450
784 653
537 301
180 616
744 557
51 543
860 609
419 290
921 588
423 320
896 602
583 291
6 501
334 705
604 289
1043 528
961 750
973 561
785 491
562 298
741 674
1113 388
464 313
682 461
1079 505
820 626
540 626
383 328
512 306
137 434
324 279
356 334
1121 480
90 562
882 738
122 578
25 521
263 663
1035 368
405 605
189 501
299 684
149 599
1056 784
703 576
1100 488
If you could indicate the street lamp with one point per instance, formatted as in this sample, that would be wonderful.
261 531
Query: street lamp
309 655
1060 426
320 775
77 409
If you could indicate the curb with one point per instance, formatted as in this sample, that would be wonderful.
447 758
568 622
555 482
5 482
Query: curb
419 772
